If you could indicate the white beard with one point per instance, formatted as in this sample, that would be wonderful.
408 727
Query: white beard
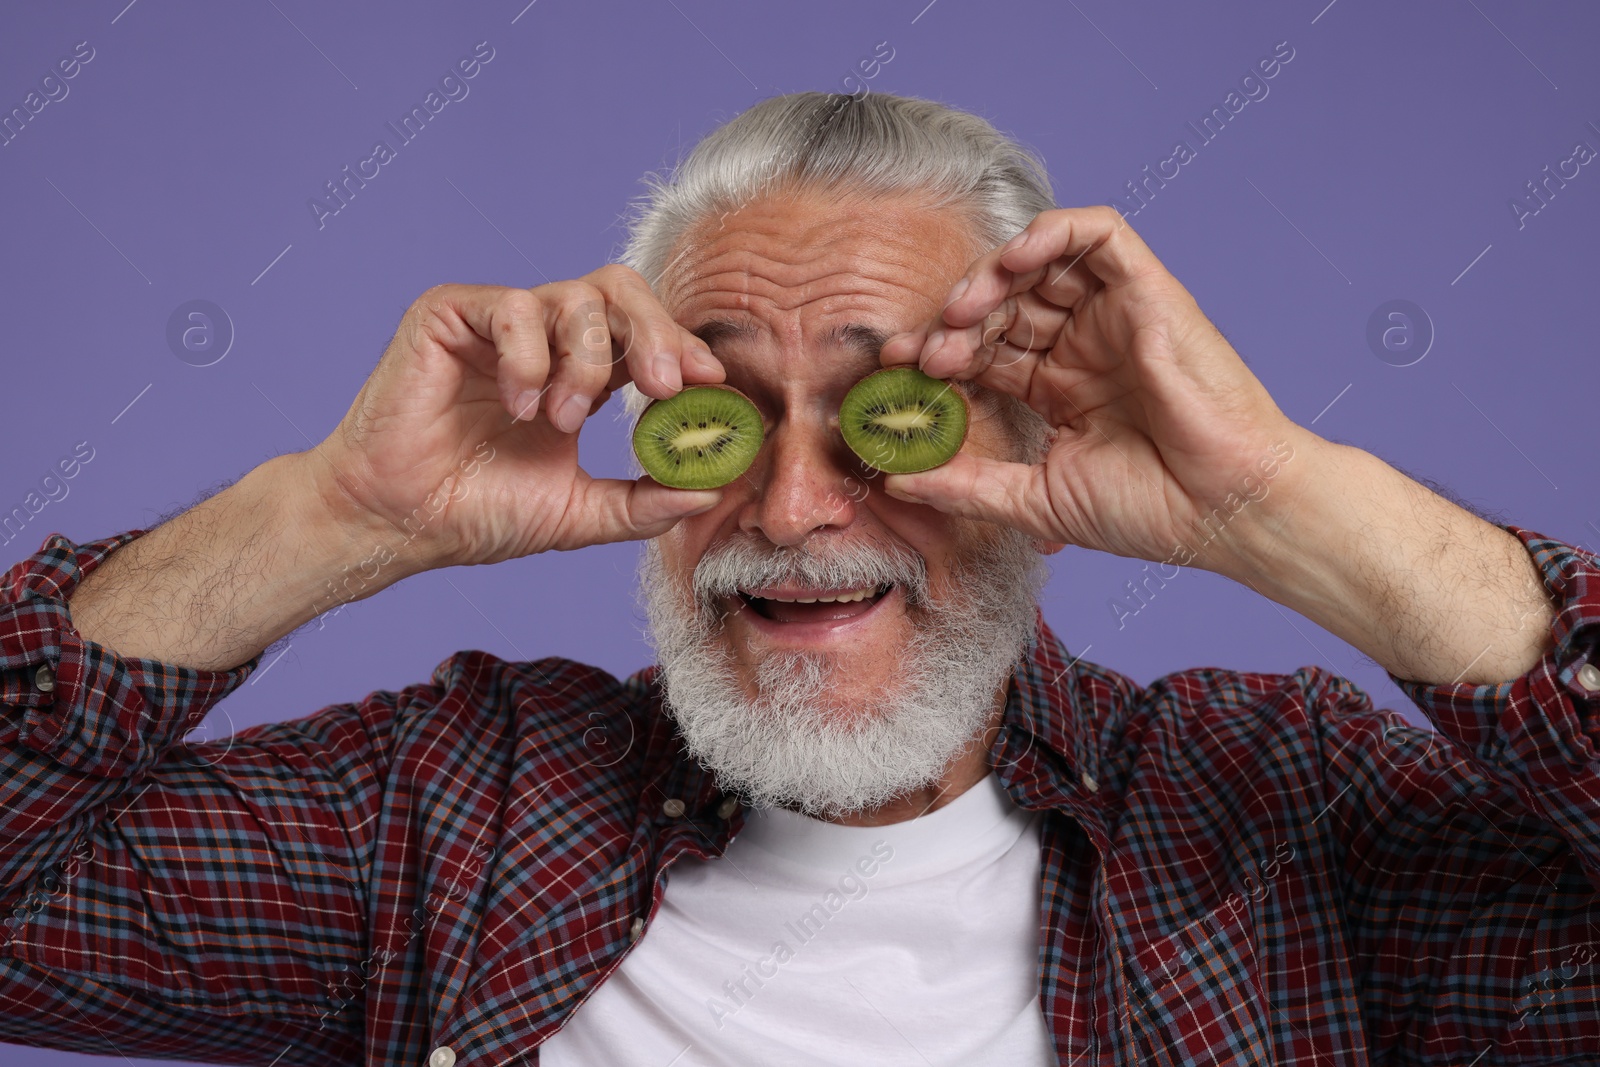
792 746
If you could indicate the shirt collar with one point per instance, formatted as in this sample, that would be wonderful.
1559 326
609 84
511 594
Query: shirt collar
1045 754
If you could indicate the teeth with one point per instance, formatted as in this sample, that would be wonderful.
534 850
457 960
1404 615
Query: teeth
841 598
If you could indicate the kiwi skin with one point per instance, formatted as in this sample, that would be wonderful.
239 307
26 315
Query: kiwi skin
663 472
878 455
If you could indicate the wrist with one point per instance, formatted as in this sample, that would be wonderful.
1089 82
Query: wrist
348 552
1239 533
1271 546
1428 590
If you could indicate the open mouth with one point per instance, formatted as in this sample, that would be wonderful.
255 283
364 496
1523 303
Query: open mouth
795 604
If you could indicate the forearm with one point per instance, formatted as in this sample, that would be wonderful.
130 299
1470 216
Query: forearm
1428 590
217 584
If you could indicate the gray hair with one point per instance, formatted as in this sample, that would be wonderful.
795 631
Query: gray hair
875 143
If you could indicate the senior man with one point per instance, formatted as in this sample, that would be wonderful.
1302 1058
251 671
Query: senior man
868 809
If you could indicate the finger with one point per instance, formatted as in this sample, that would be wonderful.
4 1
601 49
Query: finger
696 365
651 348
940 350
989 490
1032 328
582 350
700 364
622 510
1064 282
1022 329
964 354
904 348
512 320
1099 235
1026 309
1083 249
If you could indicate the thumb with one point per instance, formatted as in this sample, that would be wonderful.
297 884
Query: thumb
623 510
992 490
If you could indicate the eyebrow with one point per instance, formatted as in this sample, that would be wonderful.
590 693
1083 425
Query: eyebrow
863 339
719 330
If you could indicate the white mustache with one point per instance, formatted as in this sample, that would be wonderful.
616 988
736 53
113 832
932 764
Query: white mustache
747 562
783 742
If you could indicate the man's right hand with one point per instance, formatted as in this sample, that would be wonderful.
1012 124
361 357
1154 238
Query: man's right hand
430 467
464 439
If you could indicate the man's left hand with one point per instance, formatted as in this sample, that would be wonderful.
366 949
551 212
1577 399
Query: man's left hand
1165 441
1158 421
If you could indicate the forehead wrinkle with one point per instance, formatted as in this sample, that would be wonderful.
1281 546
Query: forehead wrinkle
790 277
837 229
796 238
750 286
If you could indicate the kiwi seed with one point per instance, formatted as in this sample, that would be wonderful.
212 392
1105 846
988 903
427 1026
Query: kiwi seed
901 421
700 438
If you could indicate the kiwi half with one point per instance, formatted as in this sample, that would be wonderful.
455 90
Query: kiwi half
700 438
902 421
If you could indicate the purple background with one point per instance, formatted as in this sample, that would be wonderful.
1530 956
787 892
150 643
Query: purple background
180 163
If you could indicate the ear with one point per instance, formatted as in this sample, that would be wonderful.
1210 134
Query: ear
1047 548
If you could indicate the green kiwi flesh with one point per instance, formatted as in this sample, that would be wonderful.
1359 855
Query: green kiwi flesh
901 421
700 438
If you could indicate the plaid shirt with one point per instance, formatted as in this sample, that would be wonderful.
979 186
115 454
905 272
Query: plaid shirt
1236 867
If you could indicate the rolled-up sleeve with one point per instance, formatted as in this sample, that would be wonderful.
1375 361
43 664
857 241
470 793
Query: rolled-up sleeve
75 701
1541 732
162 897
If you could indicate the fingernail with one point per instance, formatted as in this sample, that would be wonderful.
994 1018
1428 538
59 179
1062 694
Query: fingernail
897 488
526 405
704 360
956 291
702 509
666 369
573 410
1015 243
931 348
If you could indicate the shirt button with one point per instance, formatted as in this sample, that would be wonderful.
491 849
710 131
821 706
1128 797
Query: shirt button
1589 677
673 808
636 931
443 1056
1089 783
726 809
44 679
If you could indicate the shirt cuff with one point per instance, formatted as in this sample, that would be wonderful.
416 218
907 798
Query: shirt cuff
1545 725
77 701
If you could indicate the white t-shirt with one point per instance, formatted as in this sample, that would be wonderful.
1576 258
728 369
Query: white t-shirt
915 943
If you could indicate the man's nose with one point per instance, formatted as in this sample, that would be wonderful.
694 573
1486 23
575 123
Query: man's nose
803 484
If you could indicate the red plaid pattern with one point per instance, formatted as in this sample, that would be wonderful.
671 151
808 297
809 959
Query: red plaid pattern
1236 868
